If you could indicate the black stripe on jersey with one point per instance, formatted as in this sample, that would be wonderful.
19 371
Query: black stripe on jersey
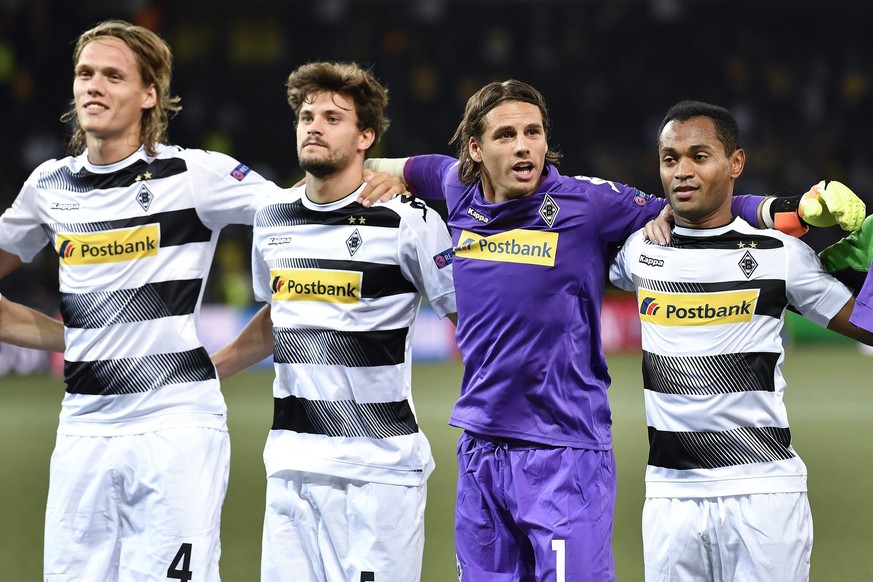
140 374
732 240
328 347
772 299
710 450
84 180
152 301
296 214
345 418
178 227
717 374
378 280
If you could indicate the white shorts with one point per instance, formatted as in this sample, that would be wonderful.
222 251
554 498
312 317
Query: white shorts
136 507
742 538
327 529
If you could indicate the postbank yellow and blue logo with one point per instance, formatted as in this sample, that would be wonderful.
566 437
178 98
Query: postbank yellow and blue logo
114 246
529 247
697 308
342 287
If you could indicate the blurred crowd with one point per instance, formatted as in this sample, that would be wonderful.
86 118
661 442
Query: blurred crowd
797 74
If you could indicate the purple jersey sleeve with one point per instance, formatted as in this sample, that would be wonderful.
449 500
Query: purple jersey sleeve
862 314
746 207
424 175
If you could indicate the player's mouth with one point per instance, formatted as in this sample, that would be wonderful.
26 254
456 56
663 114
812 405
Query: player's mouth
94 107
684 192
523 170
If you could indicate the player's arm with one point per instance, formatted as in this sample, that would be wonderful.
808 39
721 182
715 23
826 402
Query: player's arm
253 344
25 327
841 324
8 263
828 203
385 170
825 204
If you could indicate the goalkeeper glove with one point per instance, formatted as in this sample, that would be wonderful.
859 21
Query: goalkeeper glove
830 203
825 204
849 258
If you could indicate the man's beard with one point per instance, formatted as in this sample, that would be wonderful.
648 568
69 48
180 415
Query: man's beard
321 167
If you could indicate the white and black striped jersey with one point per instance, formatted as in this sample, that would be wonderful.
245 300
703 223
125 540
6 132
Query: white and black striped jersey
135 241
712 308
345 284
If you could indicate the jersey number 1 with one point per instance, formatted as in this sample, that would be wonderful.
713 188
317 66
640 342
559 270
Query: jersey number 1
558 546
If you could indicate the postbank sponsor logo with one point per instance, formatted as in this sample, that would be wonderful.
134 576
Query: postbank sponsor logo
697 308
316 285
114 246
529 247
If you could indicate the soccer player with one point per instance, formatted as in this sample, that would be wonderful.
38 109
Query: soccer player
25 327
536 483
346 461
725 490
140 466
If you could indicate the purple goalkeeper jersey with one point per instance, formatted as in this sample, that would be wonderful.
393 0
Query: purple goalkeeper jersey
529 280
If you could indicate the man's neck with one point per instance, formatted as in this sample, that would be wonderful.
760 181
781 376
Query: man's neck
103 152
327 189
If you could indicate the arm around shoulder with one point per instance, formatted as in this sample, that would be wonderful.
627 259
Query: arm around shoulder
253 344
25 327
841 324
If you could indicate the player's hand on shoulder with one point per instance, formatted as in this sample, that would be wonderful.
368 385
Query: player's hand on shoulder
381 187
660 230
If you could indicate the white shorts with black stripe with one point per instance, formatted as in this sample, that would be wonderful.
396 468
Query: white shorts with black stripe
136 507
319 528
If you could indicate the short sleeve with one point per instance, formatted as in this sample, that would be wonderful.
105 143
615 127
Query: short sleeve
225 190
21 231
425 256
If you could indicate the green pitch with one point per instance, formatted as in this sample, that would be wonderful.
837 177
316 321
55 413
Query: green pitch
830 405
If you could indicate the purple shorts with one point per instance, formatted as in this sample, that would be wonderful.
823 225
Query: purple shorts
530 512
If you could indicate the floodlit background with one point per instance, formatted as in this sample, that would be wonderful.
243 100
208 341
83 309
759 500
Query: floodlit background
797 74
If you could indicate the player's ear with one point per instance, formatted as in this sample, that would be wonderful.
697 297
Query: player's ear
738 162
475 152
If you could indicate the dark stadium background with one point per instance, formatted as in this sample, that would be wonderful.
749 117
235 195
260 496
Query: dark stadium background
798 75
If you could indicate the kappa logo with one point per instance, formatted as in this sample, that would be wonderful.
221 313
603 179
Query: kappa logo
114 246
477 215
278 240
651 262
64 206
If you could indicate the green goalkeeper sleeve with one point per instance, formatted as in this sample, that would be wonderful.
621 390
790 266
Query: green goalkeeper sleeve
849 261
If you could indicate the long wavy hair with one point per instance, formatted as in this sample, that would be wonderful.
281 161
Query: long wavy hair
155 61
473 123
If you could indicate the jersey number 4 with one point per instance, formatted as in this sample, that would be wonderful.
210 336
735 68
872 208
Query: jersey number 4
180 567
